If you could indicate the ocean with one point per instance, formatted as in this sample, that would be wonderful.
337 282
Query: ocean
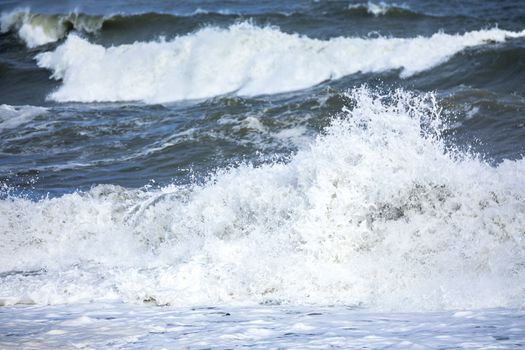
218 174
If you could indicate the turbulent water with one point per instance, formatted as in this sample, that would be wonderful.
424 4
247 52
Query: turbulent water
315 157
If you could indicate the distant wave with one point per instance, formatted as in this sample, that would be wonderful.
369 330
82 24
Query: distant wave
243 59
381 8
377 212
36 29
39 29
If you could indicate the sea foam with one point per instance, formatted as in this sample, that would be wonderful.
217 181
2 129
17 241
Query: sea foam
243 59
376 212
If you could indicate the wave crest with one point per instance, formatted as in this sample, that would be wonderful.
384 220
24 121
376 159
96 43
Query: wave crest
242 59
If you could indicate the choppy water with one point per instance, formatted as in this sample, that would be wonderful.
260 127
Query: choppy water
356 154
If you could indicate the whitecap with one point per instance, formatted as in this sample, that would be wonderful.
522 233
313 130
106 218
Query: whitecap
376 212
242 59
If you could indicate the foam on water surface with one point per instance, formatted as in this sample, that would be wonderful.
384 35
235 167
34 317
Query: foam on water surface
377 212
243 59
103 325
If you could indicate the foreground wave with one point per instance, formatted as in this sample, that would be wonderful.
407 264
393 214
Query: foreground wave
242 59
376 212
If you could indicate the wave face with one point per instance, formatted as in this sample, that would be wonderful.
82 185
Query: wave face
242 59
41 29
376 212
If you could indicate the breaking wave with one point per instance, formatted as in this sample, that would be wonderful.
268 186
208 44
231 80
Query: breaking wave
243 59
377 212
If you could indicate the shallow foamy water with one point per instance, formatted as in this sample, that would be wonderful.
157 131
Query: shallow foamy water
115 325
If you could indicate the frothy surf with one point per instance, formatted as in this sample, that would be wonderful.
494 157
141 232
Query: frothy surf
376 212
243 59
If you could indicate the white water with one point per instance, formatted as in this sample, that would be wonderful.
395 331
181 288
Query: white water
103 325
242 59
375 213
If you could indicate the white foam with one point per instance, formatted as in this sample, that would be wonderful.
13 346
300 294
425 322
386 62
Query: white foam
128 326
472 112
376 212
14 116
242 59
40 29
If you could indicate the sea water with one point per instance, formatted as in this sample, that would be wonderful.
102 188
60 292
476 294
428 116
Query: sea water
302 175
